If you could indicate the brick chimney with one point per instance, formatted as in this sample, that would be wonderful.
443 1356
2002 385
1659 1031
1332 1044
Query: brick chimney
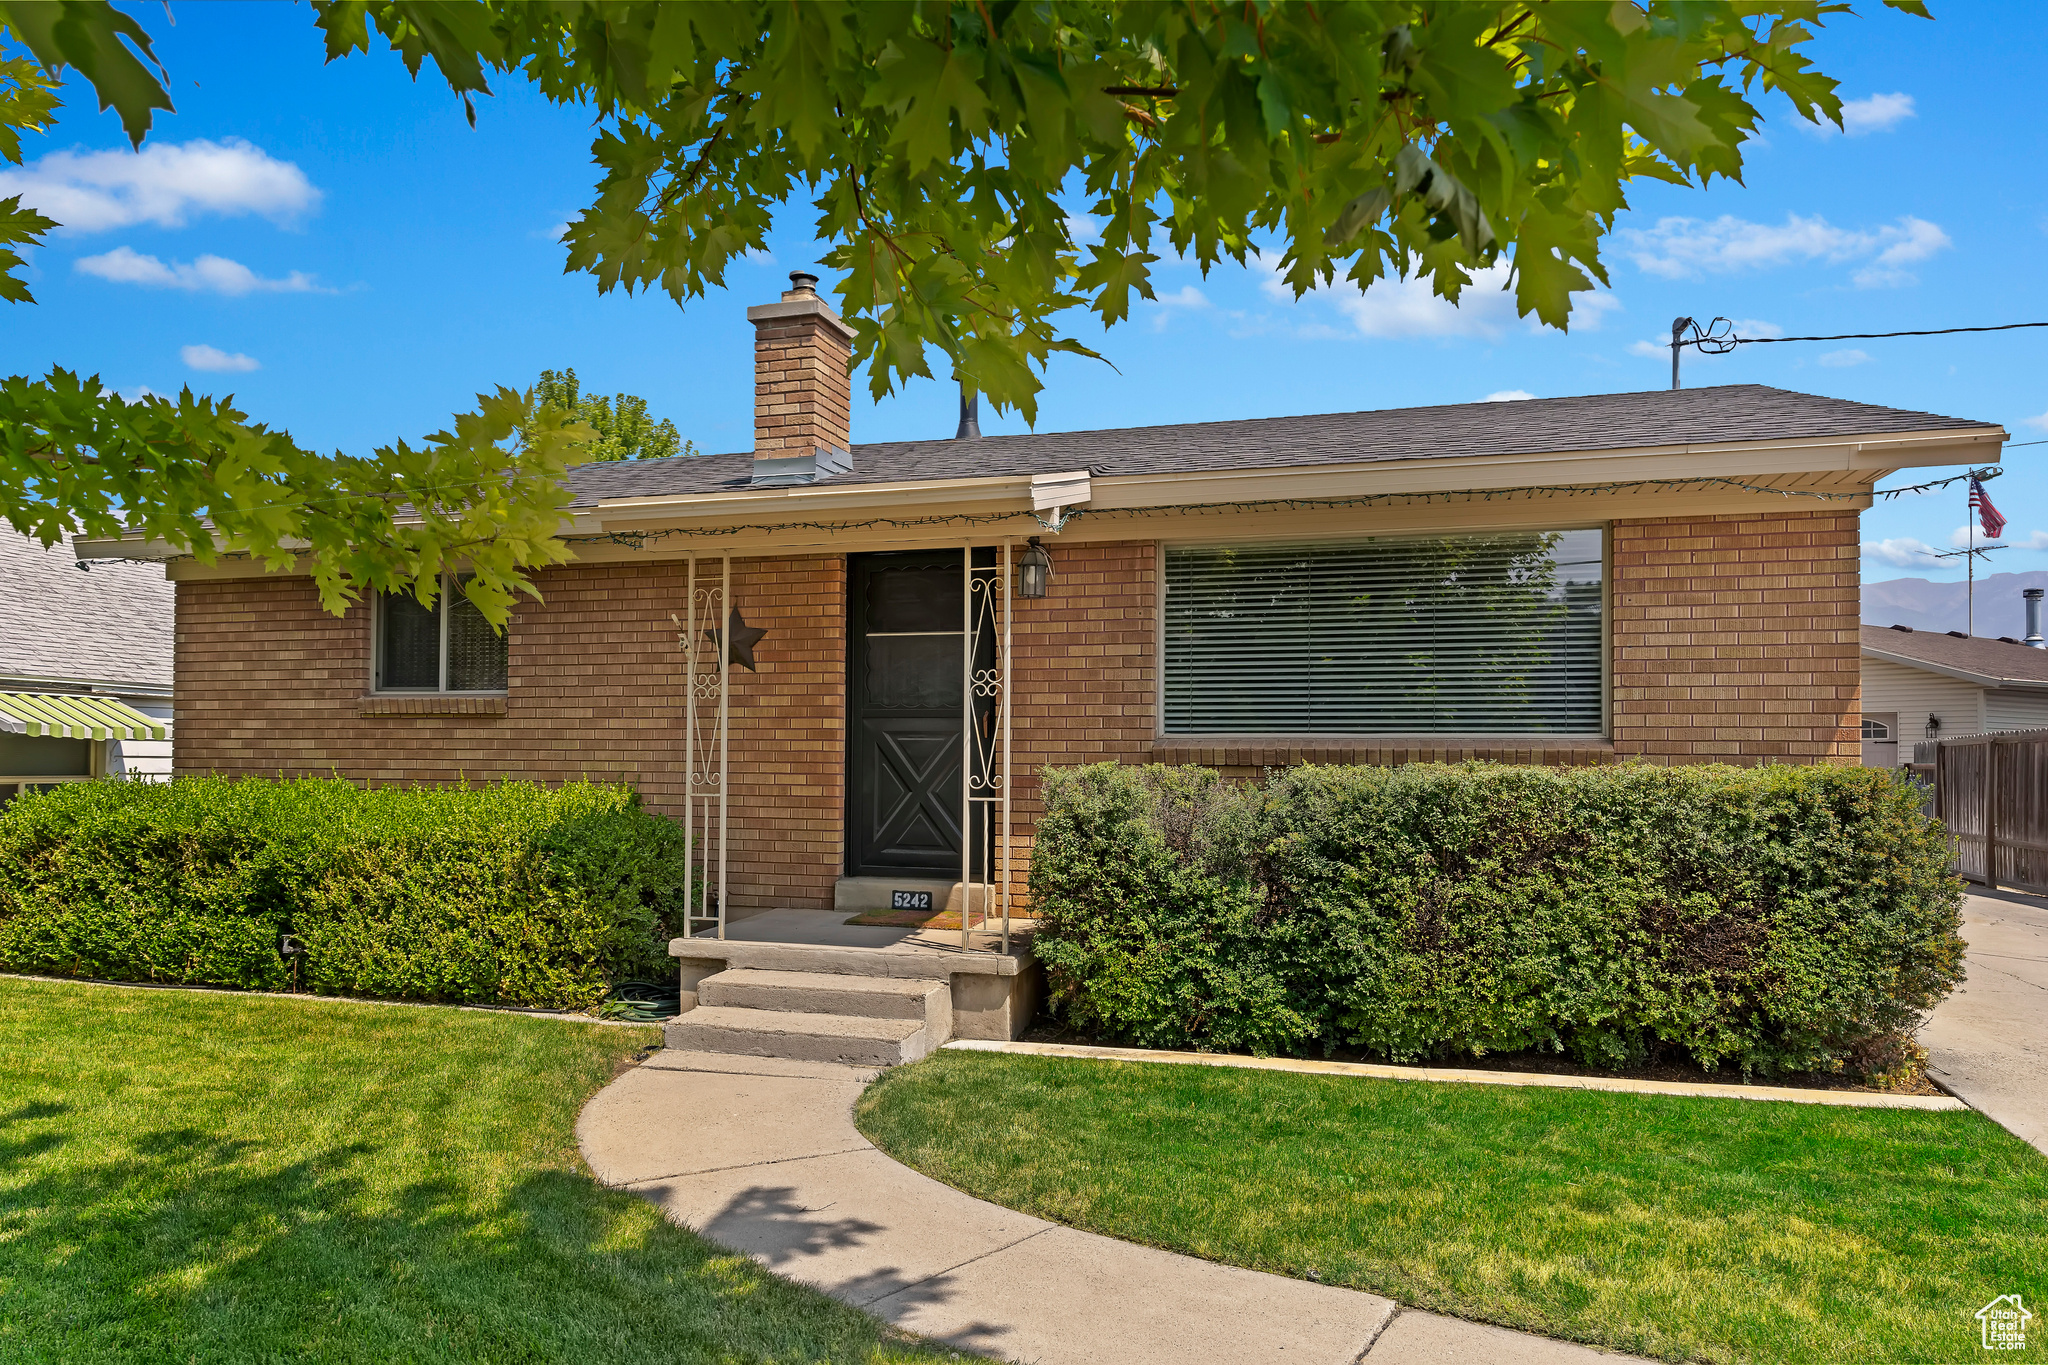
802 381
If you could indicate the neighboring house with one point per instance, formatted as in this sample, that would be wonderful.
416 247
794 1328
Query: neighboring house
85 667
1669 576
1920 685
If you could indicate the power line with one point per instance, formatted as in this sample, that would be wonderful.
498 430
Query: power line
1718 337
1861 336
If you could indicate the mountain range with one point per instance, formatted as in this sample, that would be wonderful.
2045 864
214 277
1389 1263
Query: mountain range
1927 605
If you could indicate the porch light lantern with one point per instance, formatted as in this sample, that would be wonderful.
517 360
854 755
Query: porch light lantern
1034 570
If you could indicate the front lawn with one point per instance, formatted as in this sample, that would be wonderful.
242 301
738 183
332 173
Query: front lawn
1719 1230
201 1177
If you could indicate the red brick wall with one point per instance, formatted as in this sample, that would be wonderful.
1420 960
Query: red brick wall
269 683
803 386
1734 639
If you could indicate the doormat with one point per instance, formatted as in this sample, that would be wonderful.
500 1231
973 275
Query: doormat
908 919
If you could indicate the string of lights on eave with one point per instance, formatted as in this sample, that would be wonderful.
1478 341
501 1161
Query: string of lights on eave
640 540
637 540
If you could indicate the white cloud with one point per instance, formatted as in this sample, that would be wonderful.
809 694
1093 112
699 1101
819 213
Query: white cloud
1410 308
2033 540
140 392
1842 360
1187 298
1902 552
1970 533
162 184
1081 229
1397 308
1871 114
216 361
1508 396
2037 423
215 274
1686 248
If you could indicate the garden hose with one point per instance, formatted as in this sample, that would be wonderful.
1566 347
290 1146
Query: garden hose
643 1002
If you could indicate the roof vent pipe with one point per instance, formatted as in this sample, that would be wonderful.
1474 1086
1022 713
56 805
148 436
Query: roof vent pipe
970 414
2033 640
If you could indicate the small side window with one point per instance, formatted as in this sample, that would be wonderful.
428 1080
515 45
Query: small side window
1876 729
447 647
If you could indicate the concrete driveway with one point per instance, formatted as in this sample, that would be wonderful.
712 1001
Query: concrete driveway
1989 1041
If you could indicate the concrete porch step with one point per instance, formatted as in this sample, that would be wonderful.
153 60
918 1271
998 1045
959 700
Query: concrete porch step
930 1001
845 1039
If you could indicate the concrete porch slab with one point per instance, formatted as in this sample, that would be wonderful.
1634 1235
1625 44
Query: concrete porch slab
810 926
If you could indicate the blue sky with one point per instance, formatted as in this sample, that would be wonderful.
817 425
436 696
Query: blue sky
334 245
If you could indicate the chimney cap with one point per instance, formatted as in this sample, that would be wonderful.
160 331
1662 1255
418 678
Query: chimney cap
803 282
2031 592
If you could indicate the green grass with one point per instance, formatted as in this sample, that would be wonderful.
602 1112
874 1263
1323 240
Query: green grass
1721 1230
192 1177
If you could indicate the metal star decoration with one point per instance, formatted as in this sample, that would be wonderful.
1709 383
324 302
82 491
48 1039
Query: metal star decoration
743 636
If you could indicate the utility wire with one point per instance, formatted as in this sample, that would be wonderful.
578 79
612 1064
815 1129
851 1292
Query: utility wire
1869 336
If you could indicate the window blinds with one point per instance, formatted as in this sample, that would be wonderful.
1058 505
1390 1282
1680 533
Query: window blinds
1469 634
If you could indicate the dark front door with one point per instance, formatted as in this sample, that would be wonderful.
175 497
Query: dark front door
904 693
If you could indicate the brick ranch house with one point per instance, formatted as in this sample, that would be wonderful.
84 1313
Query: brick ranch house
1668 576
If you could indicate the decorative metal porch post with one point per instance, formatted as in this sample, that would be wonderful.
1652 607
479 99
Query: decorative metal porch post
703 627
985 756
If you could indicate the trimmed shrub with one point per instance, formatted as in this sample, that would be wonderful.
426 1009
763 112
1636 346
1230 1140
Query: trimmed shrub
509 894
1769 919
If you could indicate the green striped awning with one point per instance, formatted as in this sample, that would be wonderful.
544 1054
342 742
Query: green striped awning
53 715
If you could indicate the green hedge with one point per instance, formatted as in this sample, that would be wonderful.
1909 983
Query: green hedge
509 894
1769 919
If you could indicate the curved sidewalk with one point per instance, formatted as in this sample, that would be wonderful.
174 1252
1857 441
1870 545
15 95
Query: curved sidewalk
761 1156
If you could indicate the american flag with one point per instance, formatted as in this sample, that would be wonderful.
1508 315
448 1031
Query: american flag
1992 520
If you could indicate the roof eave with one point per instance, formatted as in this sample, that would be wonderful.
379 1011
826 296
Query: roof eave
1961 674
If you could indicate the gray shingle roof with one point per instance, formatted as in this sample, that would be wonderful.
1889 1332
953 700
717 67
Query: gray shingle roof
1733 412
1971 654
110 625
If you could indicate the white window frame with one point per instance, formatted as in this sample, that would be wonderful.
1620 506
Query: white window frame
449 584
1330 738
1886 738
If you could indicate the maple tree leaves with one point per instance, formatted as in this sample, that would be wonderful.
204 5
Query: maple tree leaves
942 141
944 145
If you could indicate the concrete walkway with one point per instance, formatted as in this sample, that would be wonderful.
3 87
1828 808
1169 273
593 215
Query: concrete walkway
1989 1041
761 1156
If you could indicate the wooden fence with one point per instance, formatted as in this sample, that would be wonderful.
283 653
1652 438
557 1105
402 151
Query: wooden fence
1992 793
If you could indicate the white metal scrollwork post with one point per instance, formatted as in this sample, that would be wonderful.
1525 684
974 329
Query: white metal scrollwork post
707 666
985 741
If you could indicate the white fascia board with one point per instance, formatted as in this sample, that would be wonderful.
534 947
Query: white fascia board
804 502
1871 456
135 546
144 550
1960 674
